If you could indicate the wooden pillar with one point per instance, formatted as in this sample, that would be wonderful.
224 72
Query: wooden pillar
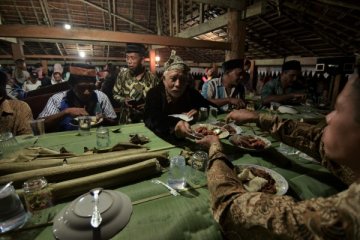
44 64
17 51
152 56
176 11
236 34
171 30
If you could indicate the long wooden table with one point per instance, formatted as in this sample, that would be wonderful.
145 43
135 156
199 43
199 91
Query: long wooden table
159 215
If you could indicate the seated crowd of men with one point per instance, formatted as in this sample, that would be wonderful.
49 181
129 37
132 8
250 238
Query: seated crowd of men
141 96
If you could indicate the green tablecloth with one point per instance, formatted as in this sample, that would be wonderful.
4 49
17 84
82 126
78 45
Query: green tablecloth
159 215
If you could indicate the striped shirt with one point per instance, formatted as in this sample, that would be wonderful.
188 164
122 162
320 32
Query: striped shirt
53 105
214 89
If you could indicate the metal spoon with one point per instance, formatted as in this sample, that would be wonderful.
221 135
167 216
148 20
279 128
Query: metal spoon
172 190
96 216
5 187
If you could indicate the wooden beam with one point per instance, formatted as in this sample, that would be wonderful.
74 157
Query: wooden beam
117 16
43 56
223 3
221 21
205 27
12 40
47 40
17 51
30 31
341 4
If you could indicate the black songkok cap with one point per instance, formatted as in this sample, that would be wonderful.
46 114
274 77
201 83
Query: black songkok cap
136 48
81 72
291 65
231 64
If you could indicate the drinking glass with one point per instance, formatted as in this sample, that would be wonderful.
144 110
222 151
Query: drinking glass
203 114
37 126
84 125
12 212
177 172
198 161
102 137
213 115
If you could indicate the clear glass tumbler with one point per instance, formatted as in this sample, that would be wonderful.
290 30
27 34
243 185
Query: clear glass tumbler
12 212
102 137
177 172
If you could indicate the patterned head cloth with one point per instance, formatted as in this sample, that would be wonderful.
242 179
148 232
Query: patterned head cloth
175 62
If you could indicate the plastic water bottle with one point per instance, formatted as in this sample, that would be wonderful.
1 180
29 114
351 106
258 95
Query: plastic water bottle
177 172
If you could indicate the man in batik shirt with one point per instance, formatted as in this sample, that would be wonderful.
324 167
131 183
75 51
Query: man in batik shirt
256 215
14 114
283 89
133 83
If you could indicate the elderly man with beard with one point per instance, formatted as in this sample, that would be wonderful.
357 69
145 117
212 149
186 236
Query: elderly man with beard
173 96
227 91
133 83
256 215
81 100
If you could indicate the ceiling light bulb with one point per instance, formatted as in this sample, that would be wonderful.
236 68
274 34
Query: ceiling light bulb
82 54
157 58
67 26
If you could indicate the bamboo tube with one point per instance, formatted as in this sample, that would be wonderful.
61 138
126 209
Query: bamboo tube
116 177
14 167
59 173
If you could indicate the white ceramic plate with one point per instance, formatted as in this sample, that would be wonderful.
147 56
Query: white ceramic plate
281 184
73 221
233 139
184 117
287 109
223 134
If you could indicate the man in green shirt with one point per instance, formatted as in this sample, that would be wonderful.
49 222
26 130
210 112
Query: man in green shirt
281 89
133 83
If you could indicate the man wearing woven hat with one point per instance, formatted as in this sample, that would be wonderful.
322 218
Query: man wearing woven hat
133 83
227 91
173 96
281 89
81 100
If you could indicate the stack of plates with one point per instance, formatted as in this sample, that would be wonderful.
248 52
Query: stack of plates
73 222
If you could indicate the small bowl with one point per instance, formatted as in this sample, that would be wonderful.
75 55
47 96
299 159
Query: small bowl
73 222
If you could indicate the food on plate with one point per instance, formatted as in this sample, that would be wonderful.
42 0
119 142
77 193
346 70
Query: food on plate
257 180
204 131
229 128
249 141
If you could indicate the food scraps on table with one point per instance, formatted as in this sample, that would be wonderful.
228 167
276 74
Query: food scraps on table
257 180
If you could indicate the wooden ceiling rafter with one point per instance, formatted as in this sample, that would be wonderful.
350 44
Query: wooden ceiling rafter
340 4
284 36
118 16
309 27
329 36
